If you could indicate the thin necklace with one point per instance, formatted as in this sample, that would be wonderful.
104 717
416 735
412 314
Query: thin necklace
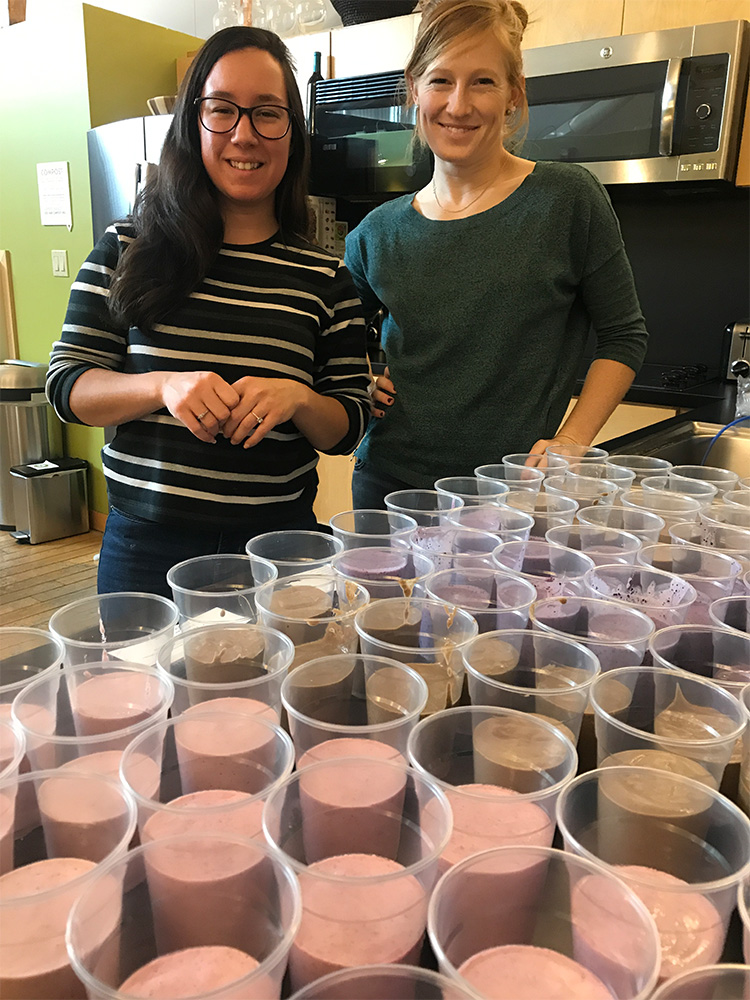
463 207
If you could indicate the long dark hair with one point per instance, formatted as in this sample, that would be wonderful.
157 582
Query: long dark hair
179 228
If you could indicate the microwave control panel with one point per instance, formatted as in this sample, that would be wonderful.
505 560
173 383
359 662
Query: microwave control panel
703 83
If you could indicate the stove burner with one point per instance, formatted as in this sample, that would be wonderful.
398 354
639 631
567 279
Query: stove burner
683 376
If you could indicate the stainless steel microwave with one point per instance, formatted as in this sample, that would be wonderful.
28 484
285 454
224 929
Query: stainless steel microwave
658 106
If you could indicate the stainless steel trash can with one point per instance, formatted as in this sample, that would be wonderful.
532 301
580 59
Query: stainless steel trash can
50 500
30 430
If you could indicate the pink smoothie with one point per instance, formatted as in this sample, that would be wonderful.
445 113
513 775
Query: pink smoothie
109 702
350 747
81 818
228 752
349 919
40 756
355 809
7 828
692 932
524 972
196 971
209 811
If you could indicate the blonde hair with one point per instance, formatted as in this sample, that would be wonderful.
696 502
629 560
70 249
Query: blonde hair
445 22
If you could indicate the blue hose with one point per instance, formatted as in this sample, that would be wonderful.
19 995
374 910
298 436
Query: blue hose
716 437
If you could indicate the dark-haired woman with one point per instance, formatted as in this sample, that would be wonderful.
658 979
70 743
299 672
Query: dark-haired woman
223 346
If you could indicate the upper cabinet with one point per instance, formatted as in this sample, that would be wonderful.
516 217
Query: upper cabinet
642 15
582 19
373 47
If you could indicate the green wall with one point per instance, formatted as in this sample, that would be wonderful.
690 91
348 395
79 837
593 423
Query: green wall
67 68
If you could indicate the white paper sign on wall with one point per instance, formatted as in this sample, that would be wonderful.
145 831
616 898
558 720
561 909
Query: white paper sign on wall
53 180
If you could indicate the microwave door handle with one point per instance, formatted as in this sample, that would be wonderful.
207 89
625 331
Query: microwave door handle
668 102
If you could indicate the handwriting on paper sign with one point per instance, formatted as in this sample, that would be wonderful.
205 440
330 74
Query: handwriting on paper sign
53 181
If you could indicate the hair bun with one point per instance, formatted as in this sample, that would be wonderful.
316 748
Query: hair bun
521 13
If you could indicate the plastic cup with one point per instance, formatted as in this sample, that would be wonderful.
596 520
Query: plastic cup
501 772
723 538
292 551
12 751
744 484
524 477
550 465
547 509
722 479
642 465
719 515
743 789
697 489
541 674
86 819
602 545
720 654
315 610
743 905
601 470
425 635
646 716
712 574
352 698
25 654
226 661
364 837
710 981
664 597
473 490
681 846
451 547
737 498
512 916
578 452
672 508
426 507
90 710
553 570
208 771
219 588
507 525
356 528
214 917
393 571
373 982
126 626
493 598
586 491
641 523
731 612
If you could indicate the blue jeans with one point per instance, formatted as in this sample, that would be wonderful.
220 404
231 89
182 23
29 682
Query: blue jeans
370 487
136 554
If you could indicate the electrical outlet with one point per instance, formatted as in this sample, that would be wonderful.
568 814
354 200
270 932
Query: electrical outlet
60 263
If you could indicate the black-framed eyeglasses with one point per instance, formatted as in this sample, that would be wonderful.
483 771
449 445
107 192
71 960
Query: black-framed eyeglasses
270 121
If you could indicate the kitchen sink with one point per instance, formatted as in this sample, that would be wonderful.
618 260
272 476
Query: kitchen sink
686 444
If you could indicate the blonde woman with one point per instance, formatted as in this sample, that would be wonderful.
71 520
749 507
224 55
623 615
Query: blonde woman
491 276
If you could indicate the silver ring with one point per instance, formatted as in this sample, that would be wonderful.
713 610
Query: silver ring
259 419
201 415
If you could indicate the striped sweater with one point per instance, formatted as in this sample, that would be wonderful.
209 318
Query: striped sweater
272 309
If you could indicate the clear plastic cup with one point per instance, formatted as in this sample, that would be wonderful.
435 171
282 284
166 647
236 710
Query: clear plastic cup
86 820
550 465
672 508
731 612
711 573
95 709
315 610
601 470
722 479
553 570
493 598
644 714
743 786
697 489
642 523
383 571
679 844
25 654
737 498
547 509
524 477
743 905
545 675
226 661
126 626
507 525
357 528
711 981
578 452
587 492
219 588
723 538
377 981
720 654
719 515
293 551
744 483
426 507
450 547
602 545
501 772
215 916
207 771
351 698
425 635
12 750
664 597
643 466
364 837
473 490
515 916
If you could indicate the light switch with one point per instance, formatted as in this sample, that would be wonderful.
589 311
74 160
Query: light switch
60 263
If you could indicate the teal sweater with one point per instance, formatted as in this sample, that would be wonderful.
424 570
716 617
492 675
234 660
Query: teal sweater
487 319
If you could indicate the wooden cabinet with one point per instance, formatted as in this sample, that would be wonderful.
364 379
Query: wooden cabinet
335 486
552 23
373 47
629 417
653 15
